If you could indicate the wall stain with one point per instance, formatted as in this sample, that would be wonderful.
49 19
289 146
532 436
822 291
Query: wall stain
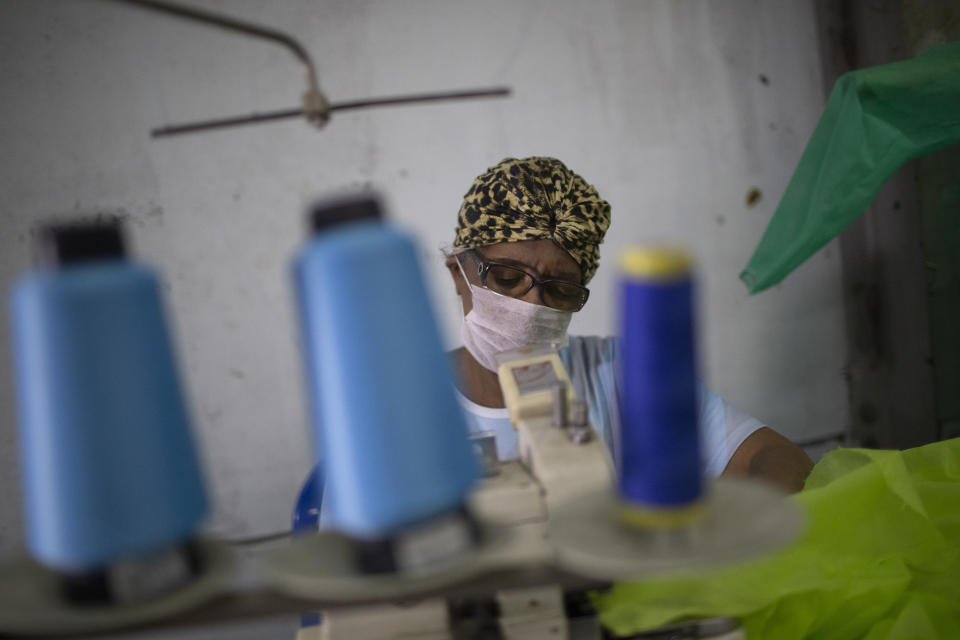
753 196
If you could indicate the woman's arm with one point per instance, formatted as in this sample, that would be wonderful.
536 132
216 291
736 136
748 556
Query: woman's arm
768 455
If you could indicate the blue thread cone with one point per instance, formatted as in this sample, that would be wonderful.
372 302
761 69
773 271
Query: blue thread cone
108 463
660 457
392 436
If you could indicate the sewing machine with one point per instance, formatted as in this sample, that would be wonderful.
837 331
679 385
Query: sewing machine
552 512
548 529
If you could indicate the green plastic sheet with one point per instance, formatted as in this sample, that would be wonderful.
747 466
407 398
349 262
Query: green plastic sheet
880 559
875 120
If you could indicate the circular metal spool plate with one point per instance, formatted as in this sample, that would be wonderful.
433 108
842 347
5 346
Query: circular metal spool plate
31 603
744 520
321 568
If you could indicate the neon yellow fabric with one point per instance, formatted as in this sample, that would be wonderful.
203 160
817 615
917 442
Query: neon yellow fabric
880 559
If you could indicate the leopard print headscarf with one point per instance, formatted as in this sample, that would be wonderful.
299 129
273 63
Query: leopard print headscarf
531 199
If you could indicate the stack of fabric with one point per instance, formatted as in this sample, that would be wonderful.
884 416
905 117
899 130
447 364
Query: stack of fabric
880 559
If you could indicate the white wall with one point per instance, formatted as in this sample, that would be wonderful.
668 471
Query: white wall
659 104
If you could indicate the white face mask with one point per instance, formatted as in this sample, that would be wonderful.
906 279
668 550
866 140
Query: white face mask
498 323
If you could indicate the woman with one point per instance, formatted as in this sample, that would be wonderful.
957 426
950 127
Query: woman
527 243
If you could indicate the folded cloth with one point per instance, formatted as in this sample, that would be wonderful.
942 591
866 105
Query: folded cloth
880 559
875 120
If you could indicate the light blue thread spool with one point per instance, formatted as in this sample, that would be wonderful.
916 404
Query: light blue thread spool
109 467
393 439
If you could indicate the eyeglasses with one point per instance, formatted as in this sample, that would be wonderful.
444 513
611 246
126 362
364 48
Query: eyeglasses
515 282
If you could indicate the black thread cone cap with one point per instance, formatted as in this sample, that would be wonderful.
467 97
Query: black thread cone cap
63 244
331 213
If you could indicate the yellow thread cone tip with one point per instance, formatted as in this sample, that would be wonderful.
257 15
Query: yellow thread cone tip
661 518
656 263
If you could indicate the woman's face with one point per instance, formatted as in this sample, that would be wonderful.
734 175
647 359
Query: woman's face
543 259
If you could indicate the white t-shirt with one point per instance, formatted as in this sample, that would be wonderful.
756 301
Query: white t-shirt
591 363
